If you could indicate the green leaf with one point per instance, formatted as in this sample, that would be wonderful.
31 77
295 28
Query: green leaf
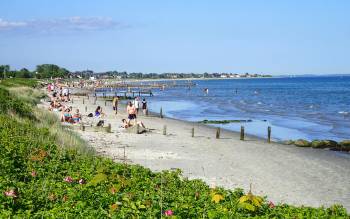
217 198
100 177
248 206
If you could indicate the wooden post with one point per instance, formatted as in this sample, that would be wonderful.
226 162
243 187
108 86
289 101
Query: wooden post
161 112
105 102
242 133
192 132
83 101
269 134
82 127
95 100
218 133
85 108
164 130
109 128
72 100
88 96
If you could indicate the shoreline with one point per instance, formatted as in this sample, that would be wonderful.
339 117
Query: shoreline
279 130
284 173
248 136
190 79
310 121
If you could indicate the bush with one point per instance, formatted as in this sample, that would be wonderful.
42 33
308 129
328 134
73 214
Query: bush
16 82
13 105
50 181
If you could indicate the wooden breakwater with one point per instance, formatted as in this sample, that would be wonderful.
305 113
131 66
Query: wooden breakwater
145 85
136 89
125 94
126 89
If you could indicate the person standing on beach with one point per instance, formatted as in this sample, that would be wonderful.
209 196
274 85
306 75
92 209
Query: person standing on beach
144 106
137 104
131 111
115 104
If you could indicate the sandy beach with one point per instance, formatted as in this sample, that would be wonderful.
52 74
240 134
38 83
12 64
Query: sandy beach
284 173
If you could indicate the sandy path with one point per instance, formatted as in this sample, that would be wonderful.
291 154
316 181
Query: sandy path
300 176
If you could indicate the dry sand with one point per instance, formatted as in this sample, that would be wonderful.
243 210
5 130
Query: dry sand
288 174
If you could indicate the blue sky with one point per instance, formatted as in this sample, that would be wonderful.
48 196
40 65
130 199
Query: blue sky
266 36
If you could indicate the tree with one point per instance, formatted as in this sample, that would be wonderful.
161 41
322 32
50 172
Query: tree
50 70
3 70
23 73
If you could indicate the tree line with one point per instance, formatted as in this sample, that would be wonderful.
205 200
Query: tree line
41 71
54 71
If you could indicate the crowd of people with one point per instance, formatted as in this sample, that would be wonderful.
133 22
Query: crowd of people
60 97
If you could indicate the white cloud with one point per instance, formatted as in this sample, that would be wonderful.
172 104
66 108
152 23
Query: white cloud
11 24
59 25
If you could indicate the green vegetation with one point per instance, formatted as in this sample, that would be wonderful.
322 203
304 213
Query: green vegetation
46 171
54 71
50 70
223 121
41 71
18 82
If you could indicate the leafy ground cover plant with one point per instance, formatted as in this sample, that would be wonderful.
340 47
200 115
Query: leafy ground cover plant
40 178
17 82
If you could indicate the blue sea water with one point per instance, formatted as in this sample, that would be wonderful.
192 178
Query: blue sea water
298 107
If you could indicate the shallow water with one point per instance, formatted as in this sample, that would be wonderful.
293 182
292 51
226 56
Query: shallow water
299 107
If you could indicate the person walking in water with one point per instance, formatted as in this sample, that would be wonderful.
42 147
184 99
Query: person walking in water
137 104
206 91
144 106
115 104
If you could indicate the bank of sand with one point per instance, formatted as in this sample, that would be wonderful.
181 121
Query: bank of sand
288 174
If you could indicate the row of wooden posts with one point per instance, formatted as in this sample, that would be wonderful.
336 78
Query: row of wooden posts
218 130
139 93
